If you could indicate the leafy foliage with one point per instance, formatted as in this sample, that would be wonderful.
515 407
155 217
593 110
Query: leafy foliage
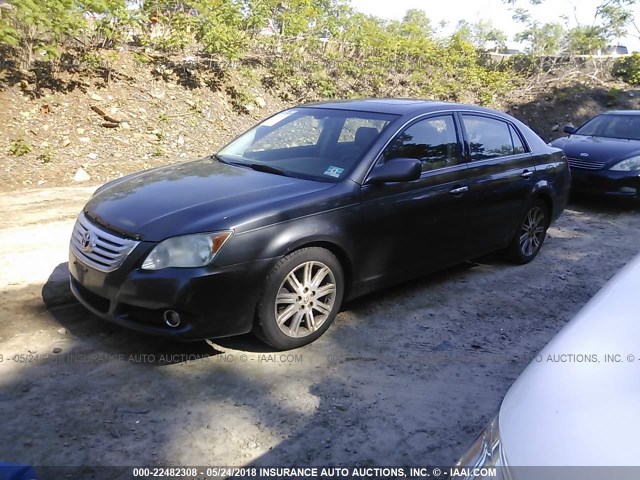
310 48
628 69
19 147
31 24
221 29
586 40
614 17
610 22
112 21
543 39
483 34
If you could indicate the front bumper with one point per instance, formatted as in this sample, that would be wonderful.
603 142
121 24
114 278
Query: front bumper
212 301
606 182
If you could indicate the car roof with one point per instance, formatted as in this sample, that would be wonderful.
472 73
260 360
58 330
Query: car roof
621 112
396 106
407 108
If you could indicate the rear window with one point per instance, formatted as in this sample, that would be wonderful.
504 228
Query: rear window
490 137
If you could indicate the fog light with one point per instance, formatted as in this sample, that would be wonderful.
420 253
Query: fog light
628 190
172 318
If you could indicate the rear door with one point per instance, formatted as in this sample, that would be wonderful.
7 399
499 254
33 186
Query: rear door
407 228
502 173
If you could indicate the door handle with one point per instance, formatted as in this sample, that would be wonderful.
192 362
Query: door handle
526 174
459 190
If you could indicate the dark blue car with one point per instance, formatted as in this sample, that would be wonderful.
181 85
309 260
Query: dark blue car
604 154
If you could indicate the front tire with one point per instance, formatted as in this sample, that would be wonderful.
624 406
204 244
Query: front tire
532 231
302 297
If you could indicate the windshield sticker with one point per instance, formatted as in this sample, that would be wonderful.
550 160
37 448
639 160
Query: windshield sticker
270 122
334 171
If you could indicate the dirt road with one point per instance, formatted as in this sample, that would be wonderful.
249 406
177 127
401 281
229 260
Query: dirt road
408 376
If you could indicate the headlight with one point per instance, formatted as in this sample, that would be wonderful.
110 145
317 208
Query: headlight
485 458
186 251
629 165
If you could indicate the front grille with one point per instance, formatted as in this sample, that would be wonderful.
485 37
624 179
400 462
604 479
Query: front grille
99 249
585 164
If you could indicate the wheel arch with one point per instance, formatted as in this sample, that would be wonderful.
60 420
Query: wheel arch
341 255
544 193
540 192
265 324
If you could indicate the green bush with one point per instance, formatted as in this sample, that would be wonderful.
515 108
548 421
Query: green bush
628 69
19 147
241 100
319 48
46 156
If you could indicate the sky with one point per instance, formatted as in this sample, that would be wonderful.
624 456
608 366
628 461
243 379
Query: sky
495 10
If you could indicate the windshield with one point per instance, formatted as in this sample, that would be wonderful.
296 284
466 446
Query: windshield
612 126
313 143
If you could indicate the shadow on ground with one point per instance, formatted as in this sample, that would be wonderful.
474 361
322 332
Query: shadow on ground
406 376
603 204
82 324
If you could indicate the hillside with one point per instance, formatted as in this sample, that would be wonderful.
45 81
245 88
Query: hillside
93 125
143 116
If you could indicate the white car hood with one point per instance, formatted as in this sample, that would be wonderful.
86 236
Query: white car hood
578 412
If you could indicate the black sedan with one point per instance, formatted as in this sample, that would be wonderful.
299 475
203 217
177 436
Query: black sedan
604 154
317 204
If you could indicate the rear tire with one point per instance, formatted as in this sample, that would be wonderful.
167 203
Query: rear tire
532 231
301 298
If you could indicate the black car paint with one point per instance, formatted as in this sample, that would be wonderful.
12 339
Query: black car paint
214 195
607 151
381 233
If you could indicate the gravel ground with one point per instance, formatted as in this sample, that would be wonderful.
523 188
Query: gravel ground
406 376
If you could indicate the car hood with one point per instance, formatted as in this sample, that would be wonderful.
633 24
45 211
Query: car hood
204 195
599 149
573 406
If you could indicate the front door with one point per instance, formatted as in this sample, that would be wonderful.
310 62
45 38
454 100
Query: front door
409 228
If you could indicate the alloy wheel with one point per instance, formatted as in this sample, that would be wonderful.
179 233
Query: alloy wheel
532 231
305 299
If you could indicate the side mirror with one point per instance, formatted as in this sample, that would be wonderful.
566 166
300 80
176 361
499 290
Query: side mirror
570 129
396 170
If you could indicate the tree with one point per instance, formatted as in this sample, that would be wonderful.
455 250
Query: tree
295 17
615 17
33 24
416 23
483 34
220 28
611 20
585 40
543 38
113 20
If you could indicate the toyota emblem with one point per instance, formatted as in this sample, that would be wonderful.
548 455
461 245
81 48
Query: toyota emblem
88 242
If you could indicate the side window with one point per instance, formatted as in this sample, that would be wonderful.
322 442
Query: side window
490 138
433 141
518 146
